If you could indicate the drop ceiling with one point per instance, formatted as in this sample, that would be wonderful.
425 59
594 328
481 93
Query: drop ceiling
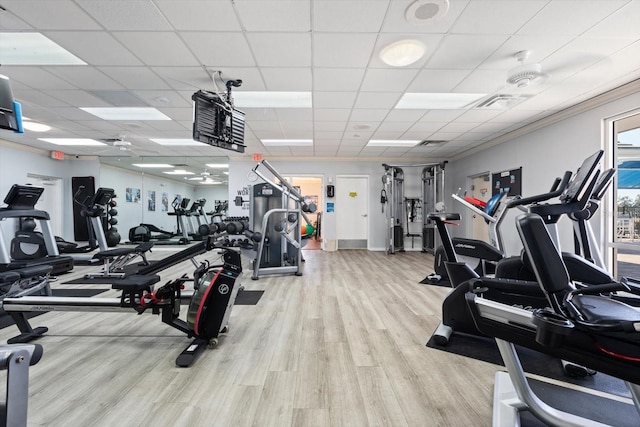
157 53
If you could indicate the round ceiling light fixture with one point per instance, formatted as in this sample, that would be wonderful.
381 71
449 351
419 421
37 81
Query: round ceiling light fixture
403 52
424 11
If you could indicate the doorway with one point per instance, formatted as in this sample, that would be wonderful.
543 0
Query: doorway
311 189
352 211
51 199
481 190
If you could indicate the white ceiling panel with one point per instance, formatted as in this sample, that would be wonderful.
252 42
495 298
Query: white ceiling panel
622 23
496 16
274 15
294 114
362 115
11 22
217 50
287 79
464 51
34 78
437 81
483 81
333 99
163 98
330 126
441 115
116 15
379 100
337 79
387 79
85 77
94 47
477 115
539 48
185 78
355 49
158 48
141 78
331 114
297 125
51 15
102 125
326 134
405 115
180 114
387 135
281 49
78 97
259 114
388 126
563 18
458 127
40 98
198 15
349 16
427 126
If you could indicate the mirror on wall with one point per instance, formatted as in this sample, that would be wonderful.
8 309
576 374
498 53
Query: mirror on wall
147 186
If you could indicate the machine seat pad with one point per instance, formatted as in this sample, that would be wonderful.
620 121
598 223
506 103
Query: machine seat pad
9 276
597 309
110 253
443 216
136 282
34 270
512 286
476 249
143 247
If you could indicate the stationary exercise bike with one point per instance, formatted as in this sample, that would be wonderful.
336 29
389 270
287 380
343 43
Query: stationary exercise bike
208 311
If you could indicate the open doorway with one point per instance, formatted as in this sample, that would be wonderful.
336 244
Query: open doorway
311 189
480 189
51 199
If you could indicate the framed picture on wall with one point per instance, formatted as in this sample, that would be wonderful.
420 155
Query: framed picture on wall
132 195
165 202
151 201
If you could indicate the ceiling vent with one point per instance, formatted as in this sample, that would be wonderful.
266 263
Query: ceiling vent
502 101
430 142
426 11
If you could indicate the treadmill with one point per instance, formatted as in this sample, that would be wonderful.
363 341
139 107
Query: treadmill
21 200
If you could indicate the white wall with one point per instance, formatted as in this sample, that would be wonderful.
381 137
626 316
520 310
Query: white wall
16 164
211 193
544 154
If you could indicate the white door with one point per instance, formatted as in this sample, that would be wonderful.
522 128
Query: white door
51 199
352 211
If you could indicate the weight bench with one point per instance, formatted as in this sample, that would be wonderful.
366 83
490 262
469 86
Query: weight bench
115 260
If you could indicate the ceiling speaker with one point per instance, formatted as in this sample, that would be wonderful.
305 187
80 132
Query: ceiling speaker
425 11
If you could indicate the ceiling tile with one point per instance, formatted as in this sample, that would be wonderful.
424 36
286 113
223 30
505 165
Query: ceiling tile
216 50
458 127
347 16
184 78
405 115
387 135
496 16
322 134
87 78
78 97
293 114
197 15
483 81
330 126
437 81
622 23
355 49
441 115
259 125
464 51
297 125
280 49
157 48
51 15
117 15
331 114
287 79
388 126
441 135
34 78
93 47
162 98
251 78
362 115
180 114
539 48
333 99
259 114
430 41
141 78
337 79
274 15
379 100
427 127
563 18
38 97
387 80
11 22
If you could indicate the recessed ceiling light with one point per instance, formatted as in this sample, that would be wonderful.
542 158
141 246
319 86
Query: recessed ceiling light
287 142
272 99
152 165
217 165
71 141
403 53
178 172
36 127
196 178
126 113
392 143
34 49
176 141
209 182
437 101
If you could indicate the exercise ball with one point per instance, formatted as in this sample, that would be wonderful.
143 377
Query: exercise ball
113 221
113 237
113 212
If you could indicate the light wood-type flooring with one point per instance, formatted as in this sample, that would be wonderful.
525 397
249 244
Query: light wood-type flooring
343 345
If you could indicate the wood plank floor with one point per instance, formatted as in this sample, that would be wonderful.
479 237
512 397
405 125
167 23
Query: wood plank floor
343 345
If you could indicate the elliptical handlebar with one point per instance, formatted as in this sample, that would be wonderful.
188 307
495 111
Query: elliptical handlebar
558 187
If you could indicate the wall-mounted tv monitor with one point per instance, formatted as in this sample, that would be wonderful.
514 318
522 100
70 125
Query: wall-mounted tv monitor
10 109
217 123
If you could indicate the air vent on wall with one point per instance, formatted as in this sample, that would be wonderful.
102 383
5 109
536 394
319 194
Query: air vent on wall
502 100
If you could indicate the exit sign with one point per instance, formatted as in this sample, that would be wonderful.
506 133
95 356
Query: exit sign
58 155
257 157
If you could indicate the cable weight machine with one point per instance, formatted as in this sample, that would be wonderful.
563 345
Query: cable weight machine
402 212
